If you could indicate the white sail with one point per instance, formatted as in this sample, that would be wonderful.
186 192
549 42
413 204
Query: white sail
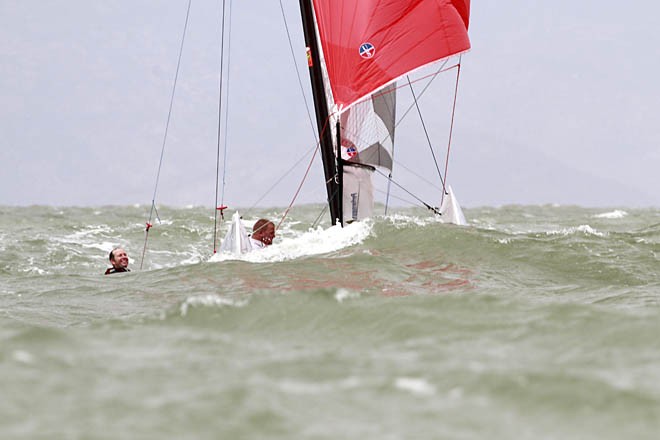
368 129
237 240
367 141
451 210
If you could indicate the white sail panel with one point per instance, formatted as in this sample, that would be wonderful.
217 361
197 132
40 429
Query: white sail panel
451 210
368 130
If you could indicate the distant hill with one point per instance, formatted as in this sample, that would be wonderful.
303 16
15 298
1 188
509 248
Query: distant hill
496 173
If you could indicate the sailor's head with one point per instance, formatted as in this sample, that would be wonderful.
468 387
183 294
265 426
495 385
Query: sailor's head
118 258
264 231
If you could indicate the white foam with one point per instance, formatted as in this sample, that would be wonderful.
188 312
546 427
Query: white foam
23 357
342 295
105 246
612 215
210 300
401 221
161 222
313 242
87 233
414 385
585 229
32 267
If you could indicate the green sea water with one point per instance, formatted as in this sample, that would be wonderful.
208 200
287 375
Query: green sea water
534 322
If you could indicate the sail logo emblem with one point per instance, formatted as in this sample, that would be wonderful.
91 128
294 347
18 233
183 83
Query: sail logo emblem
348 149
367 50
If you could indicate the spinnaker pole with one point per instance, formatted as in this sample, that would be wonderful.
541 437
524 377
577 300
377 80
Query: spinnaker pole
332 175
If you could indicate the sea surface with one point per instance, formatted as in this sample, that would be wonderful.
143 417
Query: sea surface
533 322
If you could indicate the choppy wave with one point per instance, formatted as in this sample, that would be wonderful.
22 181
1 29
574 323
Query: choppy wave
294 244
522 322
617 213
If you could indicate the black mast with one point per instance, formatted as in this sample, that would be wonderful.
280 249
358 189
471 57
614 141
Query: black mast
330 162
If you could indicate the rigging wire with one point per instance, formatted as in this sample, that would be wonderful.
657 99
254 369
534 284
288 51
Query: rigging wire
389 186
298 190
311 123
162 151
307 107
224 160
419 176
309 166
431 77
401 199
426 205
426 133
286 173
295 65
219 137
451 129
321 214
428 84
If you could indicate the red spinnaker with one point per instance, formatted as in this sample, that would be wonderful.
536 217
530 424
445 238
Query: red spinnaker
369 43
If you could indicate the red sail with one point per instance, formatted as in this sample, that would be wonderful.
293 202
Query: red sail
369 43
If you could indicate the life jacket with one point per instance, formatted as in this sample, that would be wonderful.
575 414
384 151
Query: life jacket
112 270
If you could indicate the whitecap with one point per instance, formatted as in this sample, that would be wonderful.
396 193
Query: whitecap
343 294
400 221
414 385
612 215
87 233
210 301
585 229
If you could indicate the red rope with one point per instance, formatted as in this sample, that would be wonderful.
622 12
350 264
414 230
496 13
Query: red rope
422 78
295 196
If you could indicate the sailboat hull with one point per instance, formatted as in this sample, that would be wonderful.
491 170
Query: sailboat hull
358 197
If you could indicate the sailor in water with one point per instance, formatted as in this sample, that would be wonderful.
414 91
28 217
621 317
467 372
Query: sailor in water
119 261
263 233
